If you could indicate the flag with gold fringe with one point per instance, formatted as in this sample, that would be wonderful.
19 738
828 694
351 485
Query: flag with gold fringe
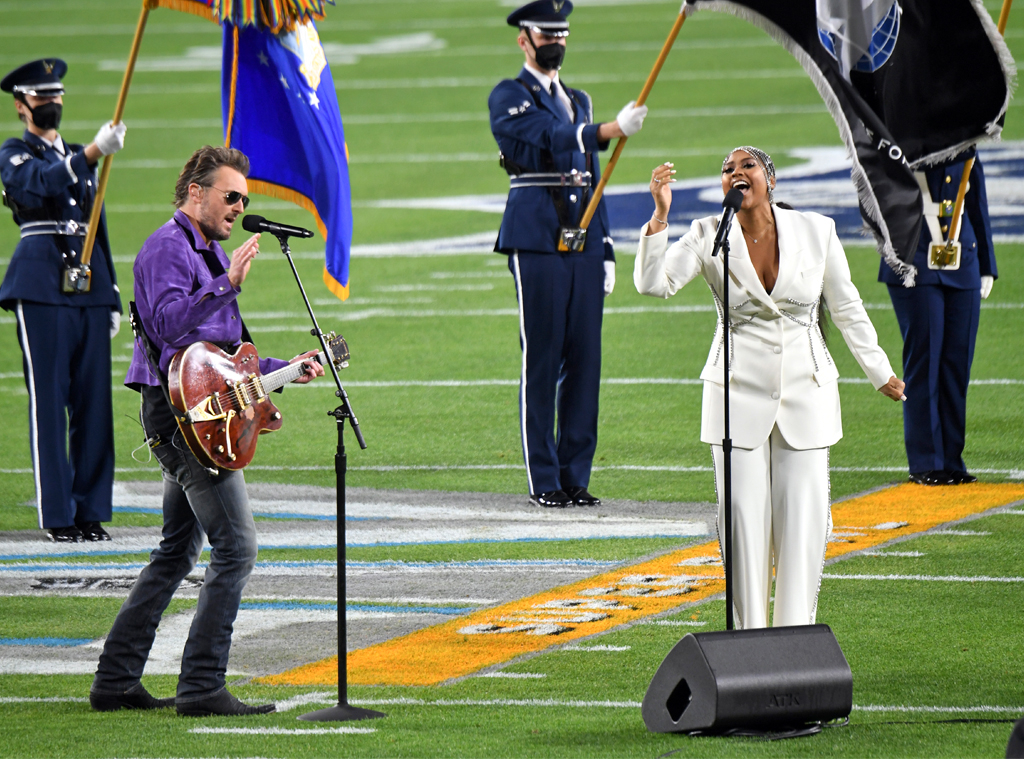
281 110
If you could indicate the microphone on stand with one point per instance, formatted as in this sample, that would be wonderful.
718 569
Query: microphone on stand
254 223
731 204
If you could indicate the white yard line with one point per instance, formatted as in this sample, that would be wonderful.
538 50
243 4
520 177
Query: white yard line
283 730
924 578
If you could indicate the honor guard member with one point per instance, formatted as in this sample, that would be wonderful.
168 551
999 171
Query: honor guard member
938 319
66 313
549 143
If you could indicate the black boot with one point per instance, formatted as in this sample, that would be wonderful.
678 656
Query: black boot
222 703
136 697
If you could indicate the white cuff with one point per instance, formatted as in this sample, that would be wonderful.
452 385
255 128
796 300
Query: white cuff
579 138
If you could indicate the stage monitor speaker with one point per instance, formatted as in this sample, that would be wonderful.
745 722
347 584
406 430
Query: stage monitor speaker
766 679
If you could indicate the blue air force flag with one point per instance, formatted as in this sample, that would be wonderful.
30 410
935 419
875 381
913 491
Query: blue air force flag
280 109
910 84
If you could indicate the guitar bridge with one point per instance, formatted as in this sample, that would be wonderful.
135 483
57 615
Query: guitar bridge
207 410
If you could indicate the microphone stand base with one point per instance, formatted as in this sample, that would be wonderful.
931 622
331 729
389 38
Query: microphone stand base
341 713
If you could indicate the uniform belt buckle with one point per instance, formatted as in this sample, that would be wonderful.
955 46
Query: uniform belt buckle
70 227
576 179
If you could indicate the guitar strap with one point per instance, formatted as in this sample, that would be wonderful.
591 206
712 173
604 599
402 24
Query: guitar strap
156 403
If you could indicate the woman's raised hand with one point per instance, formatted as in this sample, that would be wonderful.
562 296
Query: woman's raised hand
661 179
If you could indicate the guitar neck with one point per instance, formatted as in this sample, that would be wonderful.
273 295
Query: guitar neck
290 373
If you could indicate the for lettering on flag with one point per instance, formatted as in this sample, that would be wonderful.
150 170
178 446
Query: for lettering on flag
909 83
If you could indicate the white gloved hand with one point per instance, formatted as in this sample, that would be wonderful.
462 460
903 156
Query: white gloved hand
115 323
110 138
987 280
609 277
631 118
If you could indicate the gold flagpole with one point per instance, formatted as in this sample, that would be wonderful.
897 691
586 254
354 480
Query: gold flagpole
648 85
1004 16
101 188
961 192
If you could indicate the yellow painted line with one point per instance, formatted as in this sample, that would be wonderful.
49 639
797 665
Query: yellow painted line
597 604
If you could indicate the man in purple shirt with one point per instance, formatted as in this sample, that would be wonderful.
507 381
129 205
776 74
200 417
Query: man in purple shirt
186 290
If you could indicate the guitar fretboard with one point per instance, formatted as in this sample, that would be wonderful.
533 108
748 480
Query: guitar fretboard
290 373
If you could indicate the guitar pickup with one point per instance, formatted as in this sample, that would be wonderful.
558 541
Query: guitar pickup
257 384
242 394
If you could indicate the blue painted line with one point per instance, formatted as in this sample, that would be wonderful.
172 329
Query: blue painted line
51 642
288 605
138 510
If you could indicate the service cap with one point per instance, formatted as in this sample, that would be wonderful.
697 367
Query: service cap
544 17
40 78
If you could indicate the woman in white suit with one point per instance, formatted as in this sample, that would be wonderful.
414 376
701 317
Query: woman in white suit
784 400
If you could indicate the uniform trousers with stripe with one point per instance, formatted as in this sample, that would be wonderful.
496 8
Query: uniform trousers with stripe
939 326
561 305
66 360
782 518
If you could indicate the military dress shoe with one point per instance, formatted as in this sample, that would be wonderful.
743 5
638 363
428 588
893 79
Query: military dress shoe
92 531
553 499
222 704
936 477
69 534
961 478
136 697
580 496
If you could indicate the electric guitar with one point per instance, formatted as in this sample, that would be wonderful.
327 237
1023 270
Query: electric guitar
224 400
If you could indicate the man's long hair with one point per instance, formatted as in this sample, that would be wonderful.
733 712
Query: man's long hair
204 163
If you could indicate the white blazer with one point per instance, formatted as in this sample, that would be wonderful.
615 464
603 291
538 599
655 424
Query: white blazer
781 373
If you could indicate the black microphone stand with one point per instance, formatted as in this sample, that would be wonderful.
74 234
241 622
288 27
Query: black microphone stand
342 712
726 438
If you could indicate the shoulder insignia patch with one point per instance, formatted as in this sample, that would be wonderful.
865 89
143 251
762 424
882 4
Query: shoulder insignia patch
520 109
17 160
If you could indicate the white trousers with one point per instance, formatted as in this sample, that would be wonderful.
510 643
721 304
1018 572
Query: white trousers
782 517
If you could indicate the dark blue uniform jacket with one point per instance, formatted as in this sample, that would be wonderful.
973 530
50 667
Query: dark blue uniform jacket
977 255
37 177
526 121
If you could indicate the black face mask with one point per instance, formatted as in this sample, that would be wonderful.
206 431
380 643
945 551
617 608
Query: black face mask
47 116
550 56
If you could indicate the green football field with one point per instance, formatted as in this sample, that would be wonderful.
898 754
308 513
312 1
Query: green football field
435 359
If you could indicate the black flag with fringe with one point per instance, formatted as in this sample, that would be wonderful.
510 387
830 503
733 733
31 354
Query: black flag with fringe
910 84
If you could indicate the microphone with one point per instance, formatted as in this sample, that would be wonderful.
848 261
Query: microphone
254 223
731 204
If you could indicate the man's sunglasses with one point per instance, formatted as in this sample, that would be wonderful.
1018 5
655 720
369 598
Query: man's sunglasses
233 196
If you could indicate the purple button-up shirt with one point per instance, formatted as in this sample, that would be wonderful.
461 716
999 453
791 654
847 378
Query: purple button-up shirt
180 300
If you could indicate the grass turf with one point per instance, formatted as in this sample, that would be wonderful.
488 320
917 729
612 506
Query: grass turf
904 640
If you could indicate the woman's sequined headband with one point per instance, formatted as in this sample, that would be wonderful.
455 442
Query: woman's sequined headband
765 162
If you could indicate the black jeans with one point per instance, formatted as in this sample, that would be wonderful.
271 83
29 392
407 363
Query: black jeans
195 502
